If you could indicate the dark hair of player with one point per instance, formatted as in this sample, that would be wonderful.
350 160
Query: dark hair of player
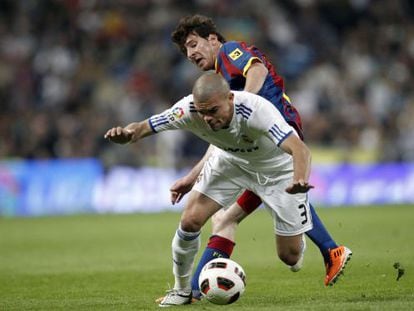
198 24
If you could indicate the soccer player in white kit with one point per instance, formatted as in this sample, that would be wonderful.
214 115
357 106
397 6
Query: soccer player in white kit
255 149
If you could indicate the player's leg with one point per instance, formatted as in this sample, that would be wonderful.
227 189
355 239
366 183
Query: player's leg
185 244
290 249
224 224
218 246
320 236
211 192
290 240
335 257
291 219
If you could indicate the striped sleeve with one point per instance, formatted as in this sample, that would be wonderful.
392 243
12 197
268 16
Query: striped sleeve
176 117
240 56
278 134
269 120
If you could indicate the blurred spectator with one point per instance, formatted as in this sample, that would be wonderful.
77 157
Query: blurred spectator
70 69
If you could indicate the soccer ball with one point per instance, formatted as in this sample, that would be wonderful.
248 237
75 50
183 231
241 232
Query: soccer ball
222 281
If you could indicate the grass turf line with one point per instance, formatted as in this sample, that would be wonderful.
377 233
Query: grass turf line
123 262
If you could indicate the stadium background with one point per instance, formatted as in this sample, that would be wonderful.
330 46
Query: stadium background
69 70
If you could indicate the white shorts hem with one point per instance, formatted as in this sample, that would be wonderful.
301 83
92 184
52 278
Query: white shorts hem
210 197
303 230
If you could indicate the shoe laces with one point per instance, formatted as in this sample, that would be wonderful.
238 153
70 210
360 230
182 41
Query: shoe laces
170 289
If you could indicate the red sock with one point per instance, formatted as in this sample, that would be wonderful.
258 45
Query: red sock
222 244
249 201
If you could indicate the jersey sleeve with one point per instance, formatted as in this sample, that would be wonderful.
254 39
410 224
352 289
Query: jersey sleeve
238 55
268 120
176 117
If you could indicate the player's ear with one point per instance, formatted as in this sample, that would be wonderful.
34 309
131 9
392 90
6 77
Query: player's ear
231 96
213 39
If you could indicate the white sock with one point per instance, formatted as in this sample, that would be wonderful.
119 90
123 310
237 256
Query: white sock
185 246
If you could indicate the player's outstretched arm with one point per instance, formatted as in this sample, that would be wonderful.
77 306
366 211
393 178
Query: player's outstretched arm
130 133
301 164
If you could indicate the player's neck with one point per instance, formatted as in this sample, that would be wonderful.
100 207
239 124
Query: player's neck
216 57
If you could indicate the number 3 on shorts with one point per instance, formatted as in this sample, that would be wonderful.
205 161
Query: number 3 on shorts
303 214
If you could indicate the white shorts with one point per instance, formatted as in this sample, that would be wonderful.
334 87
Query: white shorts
224 182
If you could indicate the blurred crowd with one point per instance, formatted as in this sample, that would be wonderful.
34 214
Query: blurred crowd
71 69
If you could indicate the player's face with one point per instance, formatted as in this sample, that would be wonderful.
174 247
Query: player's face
202 52
217 112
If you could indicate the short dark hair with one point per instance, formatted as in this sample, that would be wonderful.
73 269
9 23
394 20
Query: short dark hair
198 24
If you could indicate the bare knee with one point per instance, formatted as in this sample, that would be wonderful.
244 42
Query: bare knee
191 223
289 257
198 210
289 249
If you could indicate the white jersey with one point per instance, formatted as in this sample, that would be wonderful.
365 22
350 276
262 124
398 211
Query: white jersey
252 139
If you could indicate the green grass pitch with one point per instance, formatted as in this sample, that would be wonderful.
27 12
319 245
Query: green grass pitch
123 262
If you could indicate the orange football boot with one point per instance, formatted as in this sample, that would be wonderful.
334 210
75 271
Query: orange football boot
338 258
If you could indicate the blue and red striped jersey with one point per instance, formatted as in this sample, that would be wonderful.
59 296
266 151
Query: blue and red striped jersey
233 62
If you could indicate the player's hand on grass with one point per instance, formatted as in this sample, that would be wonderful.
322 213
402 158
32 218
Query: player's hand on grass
299 186
179 189
119 135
